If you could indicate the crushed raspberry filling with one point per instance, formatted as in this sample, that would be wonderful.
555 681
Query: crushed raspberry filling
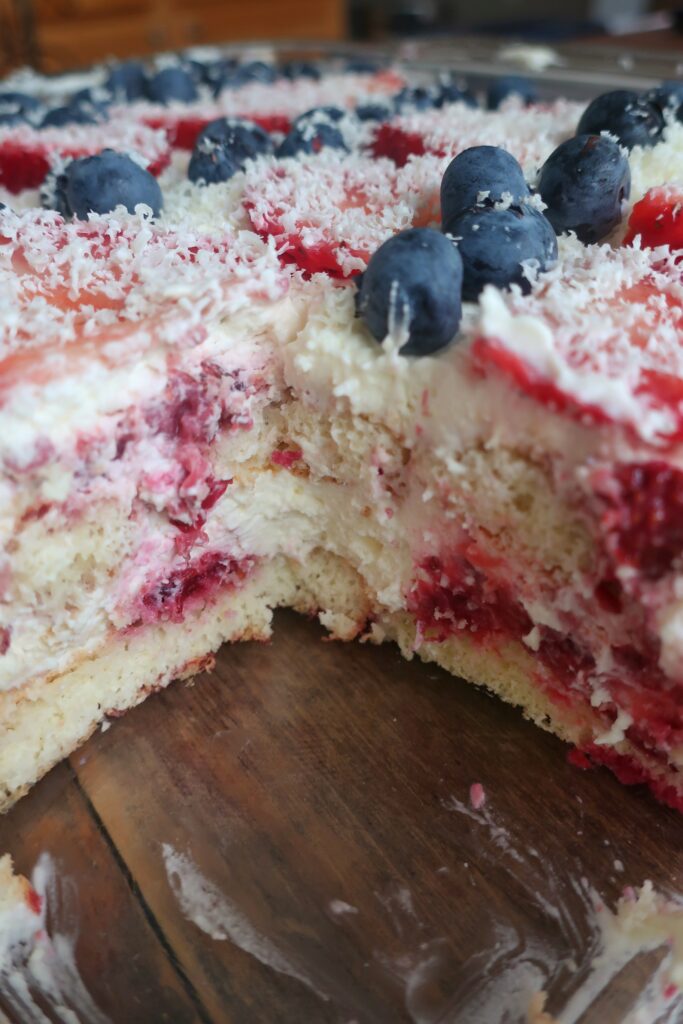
642 518
397 144
190 586
453 595
657 219
629 772
286 458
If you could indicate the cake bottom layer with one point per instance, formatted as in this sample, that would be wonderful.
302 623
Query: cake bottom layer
45 721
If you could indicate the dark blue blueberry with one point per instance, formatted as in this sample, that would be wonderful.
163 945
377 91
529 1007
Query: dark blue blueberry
311 137
245 138
21 100
413 283
417 97
98 184
72 113
363 66
476 170
494 243
210 164
373 112
316 114
216 72
222 148
127 81
95 100
450 92
202 71
667 97
257 71
584 183
300 69
171 84
625 114
510 85
16 108
232 77
53 195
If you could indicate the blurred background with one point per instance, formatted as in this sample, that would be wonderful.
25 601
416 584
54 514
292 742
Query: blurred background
58 34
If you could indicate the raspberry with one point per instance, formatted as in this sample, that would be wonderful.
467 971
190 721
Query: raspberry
643 516
397 144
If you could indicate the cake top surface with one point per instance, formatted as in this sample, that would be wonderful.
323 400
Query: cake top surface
601 328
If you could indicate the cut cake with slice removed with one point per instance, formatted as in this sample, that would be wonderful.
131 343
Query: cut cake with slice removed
195 428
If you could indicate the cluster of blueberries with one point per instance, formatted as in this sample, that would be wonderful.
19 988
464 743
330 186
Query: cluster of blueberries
493 232
634 118
223 146
129 81
181 82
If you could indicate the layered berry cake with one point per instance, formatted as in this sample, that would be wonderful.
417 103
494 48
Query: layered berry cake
366 349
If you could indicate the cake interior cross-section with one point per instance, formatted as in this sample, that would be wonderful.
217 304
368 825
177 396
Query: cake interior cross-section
347 342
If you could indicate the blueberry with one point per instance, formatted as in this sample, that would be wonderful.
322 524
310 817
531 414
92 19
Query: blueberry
584 183
211 163
217 72
450 92
72 113
245 138
170 84
667 97
21 101
243 74
200 70
222 148
373 112
494 243
625 114
363 66
311 137
300 69
413 281
320 114
127 81
100 183
475 170
95 101
510 85
257 71
12 110
417 97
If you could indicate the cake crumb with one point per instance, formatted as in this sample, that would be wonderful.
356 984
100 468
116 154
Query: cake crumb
477 795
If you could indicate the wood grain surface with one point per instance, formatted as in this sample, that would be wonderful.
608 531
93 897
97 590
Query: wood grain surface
321 791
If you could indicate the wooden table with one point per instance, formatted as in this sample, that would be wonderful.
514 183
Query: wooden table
321 791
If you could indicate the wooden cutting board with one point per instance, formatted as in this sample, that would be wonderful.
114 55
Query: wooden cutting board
292 839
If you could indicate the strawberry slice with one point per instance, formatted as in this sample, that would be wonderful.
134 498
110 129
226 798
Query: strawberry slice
658 219
329 214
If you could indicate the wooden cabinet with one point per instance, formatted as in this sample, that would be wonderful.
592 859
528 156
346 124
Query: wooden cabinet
72 33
